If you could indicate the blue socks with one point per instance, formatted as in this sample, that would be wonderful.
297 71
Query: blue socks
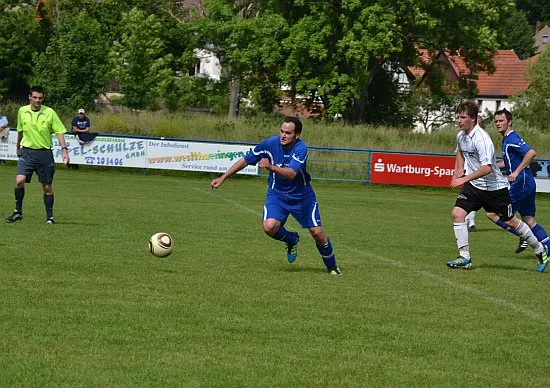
506 227
541 234
327 253
286 236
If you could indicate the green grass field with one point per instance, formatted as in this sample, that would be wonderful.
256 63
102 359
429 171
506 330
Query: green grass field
83 303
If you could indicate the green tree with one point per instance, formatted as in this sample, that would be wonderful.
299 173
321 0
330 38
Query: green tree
74 66
245 37
534 106
536 10
138 60
515 33
19 39
335 49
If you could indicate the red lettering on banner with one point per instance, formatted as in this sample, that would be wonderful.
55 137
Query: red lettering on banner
407 169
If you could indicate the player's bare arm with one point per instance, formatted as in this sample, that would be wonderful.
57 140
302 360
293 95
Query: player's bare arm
235 168
526 161
459 165
19 138
285 172
482 171
64 149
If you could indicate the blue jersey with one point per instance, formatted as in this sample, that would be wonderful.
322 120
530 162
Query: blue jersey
81 123
294 158
514 149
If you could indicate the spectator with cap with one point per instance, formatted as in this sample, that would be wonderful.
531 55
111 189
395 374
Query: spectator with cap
81 128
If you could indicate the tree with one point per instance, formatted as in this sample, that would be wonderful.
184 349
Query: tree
245 44
534 106
74 66
138 60
19 39
515 33
536 10
335 48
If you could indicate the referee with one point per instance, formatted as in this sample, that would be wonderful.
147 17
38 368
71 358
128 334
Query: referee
35 124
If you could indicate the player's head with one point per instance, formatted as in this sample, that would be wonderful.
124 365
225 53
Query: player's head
503 120
296 121
290 132
506 113
467 115
36 96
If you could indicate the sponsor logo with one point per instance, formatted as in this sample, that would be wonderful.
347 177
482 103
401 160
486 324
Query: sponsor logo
379 166
395 168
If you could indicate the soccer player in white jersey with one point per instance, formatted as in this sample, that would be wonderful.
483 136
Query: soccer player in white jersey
289 190
484 186
471 217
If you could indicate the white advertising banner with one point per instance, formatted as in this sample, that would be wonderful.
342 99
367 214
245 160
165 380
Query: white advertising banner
206 157
8 147
143 153
104 151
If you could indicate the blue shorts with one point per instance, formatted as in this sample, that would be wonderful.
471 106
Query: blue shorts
40 161
305 210
526 205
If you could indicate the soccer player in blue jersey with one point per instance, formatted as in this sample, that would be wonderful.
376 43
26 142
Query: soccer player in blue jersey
484 186
517 156
289 190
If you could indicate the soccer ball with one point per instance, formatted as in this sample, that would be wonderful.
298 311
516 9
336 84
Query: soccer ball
161 244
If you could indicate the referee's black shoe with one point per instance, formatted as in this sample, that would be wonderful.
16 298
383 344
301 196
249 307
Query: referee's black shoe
14 217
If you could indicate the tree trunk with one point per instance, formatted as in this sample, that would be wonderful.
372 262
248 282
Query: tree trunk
358 107
234 97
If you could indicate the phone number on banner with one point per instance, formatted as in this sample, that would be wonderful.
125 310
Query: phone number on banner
104 161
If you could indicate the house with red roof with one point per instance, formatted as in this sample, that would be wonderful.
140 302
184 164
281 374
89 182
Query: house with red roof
494 89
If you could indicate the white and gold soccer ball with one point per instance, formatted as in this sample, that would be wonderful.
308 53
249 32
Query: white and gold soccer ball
161 244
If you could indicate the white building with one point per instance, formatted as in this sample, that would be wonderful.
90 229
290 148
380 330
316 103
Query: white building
207 65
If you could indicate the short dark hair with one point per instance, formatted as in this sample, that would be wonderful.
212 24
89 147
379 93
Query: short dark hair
296 121
504 112
470 107
37 89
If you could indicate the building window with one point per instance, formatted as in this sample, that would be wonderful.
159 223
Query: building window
196 69
544 39
479 104
498 105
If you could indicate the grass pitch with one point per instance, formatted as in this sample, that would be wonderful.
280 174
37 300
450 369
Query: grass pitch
83 303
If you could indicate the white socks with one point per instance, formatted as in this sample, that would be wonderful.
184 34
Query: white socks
461 234
525 233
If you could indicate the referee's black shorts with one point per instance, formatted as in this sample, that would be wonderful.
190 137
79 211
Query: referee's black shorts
497 201
36 160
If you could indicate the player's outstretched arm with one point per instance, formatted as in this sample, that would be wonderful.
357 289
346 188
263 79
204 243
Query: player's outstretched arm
235 168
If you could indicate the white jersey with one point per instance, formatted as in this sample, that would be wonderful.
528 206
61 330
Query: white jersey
478 150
